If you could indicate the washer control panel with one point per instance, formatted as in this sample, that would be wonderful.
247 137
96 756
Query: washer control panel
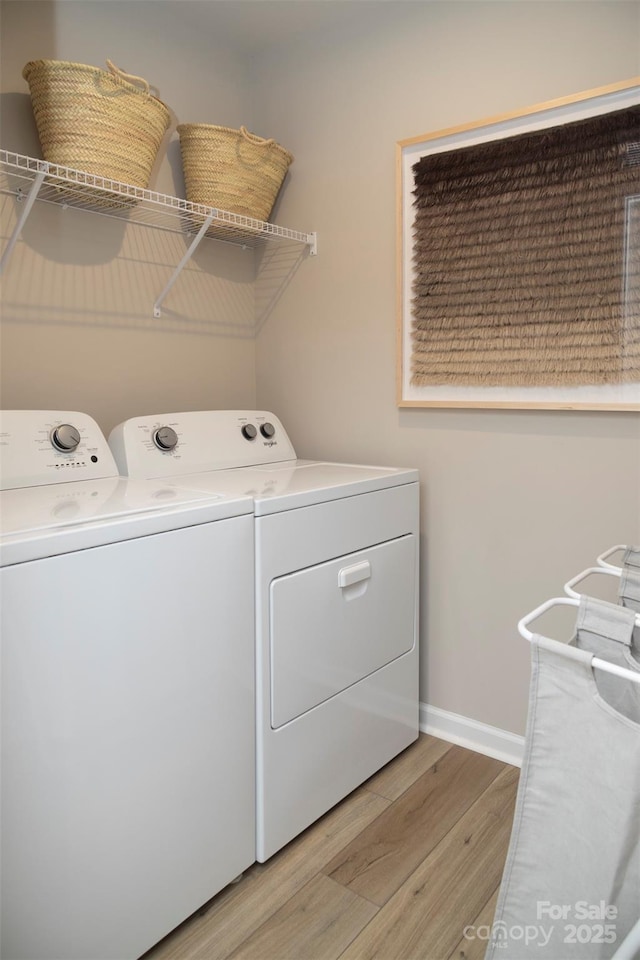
38 447
183 443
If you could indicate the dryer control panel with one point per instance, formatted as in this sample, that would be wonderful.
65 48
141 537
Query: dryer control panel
38 447
177 444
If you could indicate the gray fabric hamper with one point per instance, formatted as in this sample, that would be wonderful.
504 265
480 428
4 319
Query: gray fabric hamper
629 589
571 884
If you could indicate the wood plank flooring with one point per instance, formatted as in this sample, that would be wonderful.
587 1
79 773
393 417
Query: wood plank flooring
394 872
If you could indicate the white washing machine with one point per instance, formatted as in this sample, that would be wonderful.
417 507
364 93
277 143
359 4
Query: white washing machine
336 602
128 740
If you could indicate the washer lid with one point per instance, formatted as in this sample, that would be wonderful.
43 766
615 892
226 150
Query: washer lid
298 483
37 522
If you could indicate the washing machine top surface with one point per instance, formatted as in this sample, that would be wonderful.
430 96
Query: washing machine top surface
243 453
60 490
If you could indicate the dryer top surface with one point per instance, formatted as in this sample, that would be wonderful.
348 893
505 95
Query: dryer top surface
292 484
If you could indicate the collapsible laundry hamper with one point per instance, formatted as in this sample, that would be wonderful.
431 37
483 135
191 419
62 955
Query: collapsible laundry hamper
571 884
631 558
628 593
629 589
608 632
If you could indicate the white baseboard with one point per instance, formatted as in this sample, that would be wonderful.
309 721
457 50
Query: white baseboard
477 736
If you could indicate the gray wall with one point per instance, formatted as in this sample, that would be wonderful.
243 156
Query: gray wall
513 502
77 325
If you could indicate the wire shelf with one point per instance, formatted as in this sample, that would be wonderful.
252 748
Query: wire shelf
30 180
74 188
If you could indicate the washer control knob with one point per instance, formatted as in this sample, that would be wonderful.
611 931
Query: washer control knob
65 437
249 432
267 430
165 438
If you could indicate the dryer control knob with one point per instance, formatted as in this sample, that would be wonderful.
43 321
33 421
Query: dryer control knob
165 438
267 430
249 432
65 437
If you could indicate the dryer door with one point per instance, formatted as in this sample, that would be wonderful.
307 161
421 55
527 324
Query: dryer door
334 623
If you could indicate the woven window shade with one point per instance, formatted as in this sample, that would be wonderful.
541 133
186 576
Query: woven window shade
527 259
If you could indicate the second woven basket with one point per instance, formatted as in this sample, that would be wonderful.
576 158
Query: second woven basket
231 169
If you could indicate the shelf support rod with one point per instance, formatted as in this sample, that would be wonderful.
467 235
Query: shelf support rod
178 270
22 219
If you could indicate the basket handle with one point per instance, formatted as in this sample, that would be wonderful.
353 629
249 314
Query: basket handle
131 77
254 138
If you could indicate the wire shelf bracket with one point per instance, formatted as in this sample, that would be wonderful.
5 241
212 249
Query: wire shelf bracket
178 270
24 214
28 179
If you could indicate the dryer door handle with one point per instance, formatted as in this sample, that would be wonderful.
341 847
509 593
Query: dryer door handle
347 576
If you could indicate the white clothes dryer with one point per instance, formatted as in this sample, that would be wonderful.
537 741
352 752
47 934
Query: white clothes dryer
336 571
128 742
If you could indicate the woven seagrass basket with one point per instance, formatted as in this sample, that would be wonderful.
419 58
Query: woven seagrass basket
105 124
231 169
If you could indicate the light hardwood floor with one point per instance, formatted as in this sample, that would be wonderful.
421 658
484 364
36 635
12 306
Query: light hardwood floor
394 872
